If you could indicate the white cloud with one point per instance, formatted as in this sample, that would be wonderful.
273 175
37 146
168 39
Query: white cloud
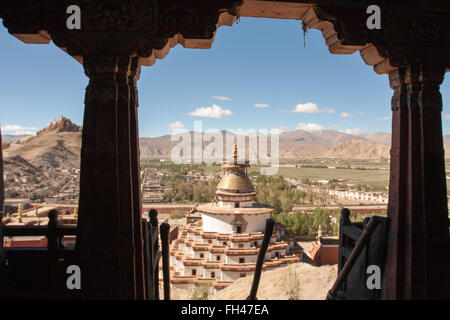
345 115
352 131
15 129
310 107
222 98
384 118
260 105
447 116
310 127
176 125
214 112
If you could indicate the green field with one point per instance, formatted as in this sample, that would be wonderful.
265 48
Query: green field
367 172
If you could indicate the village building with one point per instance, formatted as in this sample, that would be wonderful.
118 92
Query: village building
223 245
323 251
376 197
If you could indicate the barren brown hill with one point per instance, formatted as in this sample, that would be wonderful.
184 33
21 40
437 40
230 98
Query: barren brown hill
380 137
358 149
158 147
314 283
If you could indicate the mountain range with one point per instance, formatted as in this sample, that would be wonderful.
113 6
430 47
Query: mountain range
59 144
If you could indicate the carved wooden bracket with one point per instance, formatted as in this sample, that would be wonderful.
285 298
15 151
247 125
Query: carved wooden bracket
145 28
407 36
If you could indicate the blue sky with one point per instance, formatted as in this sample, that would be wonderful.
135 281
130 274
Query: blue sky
259 62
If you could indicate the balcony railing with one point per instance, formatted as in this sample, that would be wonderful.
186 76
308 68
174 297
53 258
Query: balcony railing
40 272
37 272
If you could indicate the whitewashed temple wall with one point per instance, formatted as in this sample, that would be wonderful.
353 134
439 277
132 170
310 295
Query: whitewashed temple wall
223 223
213 257
235 259
233 275
198 271
207 273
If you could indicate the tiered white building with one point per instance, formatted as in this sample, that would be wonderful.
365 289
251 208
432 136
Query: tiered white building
223 244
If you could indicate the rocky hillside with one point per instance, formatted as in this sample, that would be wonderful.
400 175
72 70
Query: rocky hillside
379 137
314 283
359 149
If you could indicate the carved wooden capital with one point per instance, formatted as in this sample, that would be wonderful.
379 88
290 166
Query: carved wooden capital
417 85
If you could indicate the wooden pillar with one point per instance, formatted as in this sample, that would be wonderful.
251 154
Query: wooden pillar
418 240
133 76
107 232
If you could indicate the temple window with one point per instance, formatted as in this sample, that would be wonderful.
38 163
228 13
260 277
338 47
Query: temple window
218 258
242 275
241 260
194 272
213 275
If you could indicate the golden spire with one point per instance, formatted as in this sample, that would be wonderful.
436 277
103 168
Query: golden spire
235 178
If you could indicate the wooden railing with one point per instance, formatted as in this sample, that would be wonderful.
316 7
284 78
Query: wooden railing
37 272
15 261
54 232
55 253
152 255
361 244
268 231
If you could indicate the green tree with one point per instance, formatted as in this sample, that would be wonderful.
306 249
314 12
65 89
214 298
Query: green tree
202 292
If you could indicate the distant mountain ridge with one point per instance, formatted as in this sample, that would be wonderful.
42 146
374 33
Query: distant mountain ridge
12 137
59 145
359 149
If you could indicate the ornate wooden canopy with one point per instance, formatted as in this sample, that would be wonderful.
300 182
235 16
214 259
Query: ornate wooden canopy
414 30
118 36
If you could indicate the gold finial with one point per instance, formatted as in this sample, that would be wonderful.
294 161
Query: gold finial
75 212
235 153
